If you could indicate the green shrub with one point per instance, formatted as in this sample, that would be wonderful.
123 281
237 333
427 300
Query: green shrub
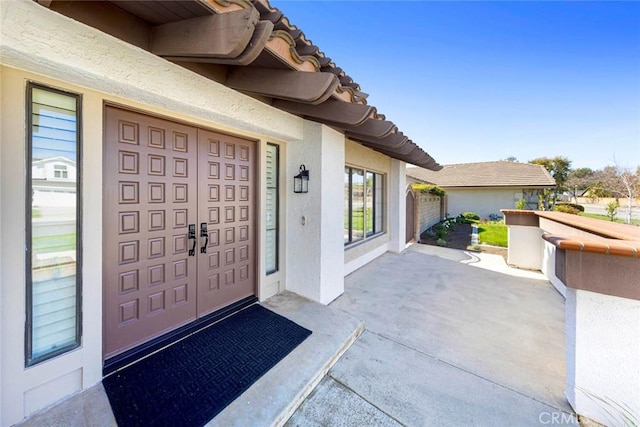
450 223
470 216
612 210
566 209
429 188
573 205
441 242
441 231
521 204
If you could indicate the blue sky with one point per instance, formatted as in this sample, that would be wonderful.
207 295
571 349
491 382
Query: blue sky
480 81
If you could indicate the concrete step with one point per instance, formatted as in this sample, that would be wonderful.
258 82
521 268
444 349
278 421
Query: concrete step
272 399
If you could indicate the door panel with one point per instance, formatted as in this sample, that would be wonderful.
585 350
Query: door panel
226 272
150 198
410 217
161 177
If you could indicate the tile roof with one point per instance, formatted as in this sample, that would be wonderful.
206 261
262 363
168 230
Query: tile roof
263 55
485 174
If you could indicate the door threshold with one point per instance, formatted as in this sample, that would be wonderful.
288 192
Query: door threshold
140 352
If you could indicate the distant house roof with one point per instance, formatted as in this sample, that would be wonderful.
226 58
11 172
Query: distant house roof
53 159
485 174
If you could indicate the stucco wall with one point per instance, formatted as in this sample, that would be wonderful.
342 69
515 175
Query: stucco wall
314 219
603 339
397 206
549 266
484 202
526 247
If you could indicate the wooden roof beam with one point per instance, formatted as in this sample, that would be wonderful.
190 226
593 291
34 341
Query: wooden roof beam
373 128
403 149
331 110
254 48
299 86
225 35
393 140
417 157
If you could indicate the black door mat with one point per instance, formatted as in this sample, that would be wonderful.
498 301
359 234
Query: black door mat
192 381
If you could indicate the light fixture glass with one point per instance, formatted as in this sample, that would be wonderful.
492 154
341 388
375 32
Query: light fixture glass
301 181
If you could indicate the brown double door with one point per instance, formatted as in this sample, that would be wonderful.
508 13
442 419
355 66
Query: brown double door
178 238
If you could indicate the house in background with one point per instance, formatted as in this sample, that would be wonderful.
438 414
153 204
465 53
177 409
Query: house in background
486 187
149 151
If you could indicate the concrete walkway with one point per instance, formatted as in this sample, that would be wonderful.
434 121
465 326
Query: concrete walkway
446 344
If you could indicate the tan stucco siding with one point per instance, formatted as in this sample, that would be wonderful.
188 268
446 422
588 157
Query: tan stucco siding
484 202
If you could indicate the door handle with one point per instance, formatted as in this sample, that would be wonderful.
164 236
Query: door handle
204 233
192 235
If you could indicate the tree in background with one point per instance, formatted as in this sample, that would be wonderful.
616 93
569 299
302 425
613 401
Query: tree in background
596 189
580 180
621 183
559 168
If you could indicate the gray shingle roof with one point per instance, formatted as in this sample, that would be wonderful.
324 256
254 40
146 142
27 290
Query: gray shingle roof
485 174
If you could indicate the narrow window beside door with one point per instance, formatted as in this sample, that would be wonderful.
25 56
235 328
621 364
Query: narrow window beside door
53 223
271 252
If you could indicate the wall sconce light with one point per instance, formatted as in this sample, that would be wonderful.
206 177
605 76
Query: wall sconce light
301 181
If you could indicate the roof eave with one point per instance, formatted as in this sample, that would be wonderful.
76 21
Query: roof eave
251 37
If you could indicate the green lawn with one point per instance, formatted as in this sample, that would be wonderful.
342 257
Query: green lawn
606 218
493 233
357 220
56 243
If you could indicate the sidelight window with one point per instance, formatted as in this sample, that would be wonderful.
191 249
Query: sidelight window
272 208
53 223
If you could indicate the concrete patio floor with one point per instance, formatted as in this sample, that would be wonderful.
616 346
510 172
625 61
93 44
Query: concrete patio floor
446 343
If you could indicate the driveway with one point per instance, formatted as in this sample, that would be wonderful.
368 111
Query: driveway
446 343
621 213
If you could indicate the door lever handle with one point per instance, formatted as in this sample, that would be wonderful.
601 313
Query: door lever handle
204 233
192 235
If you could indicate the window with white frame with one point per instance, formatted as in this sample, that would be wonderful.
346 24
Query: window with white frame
53 225
363 204
60 171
